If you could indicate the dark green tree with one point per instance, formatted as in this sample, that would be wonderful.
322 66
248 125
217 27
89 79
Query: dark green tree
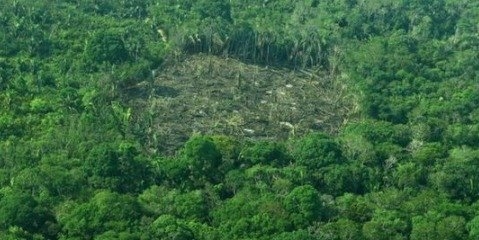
457 176
386 224
106 46
304 206
18 209
267 153
316 151
434 225
117 167
106 211
204 158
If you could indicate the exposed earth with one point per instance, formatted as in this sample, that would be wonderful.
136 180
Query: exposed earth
212 95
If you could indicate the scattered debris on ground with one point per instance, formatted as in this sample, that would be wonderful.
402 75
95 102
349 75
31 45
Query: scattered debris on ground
213 95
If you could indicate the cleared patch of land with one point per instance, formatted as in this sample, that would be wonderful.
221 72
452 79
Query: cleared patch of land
213 95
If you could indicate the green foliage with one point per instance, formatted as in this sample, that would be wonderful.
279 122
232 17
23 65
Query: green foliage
230 149
80 159
457 177
385 224
174 172
239 217
106 46
119 168
379 132
436 226
21 210
341 229
304 205
106 211
472 227
203 158
213 9
189 206
17 233
168 227
410 175
429 153
316 151
118 235
354 208
118 9
267 153
338 179
296 235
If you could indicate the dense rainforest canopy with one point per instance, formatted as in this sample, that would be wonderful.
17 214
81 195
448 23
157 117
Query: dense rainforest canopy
89 149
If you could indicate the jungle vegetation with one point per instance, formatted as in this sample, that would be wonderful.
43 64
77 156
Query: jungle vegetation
370 131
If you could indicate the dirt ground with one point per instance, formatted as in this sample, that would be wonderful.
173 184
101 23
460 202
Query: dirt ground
212 95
